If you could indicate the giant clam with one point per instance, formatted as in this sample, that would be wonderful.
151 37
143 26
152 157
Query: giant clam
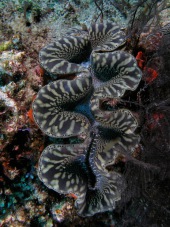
82 168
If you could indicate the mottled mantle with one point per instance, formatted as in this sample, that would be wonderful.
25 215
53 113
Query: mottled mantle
108 136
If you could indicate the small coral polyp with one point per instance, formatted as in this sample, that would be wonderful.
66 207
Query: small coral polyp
83 169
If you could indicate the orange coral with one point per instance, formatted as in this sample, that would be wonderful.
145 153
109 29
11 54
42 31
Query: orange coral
30 115
140 59
151 74
30 112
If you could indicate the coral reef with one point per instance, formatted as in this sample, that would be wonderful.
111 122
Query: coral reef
141 175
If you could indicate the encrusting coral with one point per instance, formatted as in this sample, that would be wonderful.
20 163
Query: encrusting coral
109 136
9 118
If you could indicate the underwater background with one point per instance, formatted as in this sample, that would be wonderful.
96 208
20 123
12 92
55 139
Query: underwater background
28 26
